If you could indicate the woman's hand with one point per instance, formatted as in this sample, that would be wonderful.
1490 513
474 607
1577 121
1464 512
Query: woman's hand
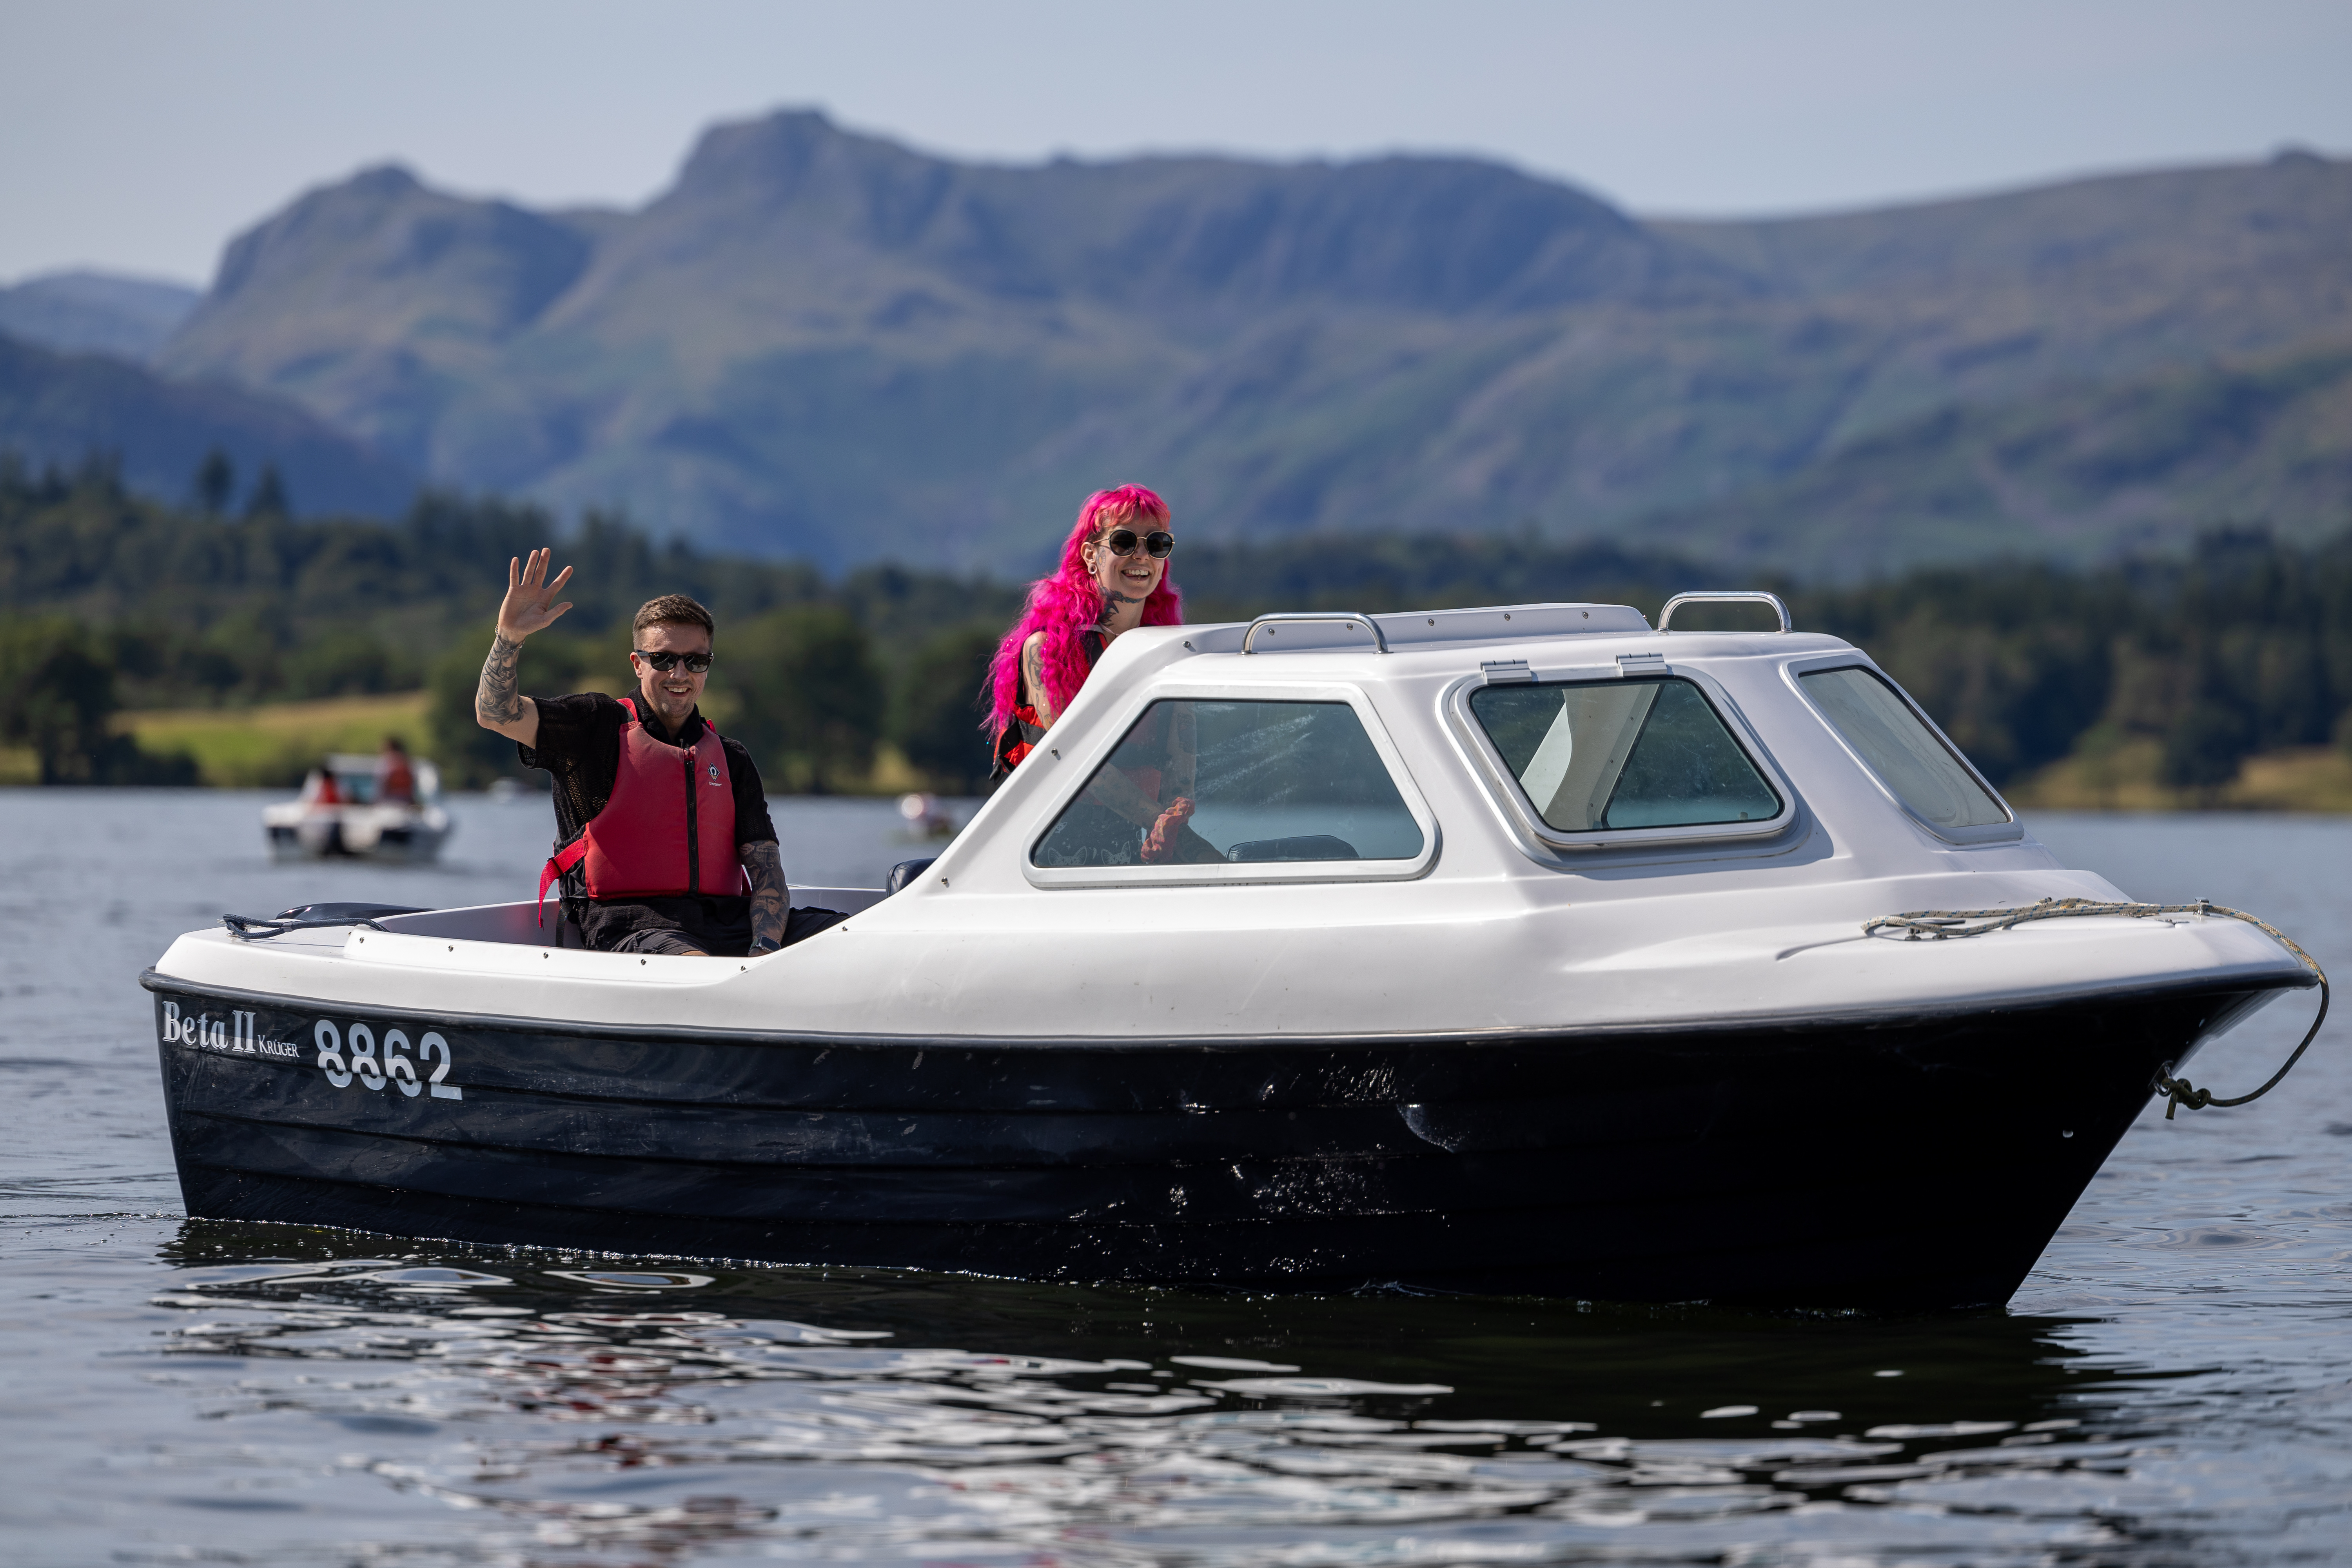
1159 844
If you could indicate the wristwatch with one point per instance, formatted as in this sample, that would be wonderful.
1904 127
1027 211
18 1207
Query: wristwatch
762 949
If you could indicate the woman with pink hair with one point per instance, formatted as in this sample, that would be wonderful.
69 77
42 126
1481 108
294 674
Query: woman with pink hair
1113 578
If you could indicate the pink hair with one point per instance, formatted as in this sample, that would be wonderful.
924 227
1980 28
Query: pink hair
1069 603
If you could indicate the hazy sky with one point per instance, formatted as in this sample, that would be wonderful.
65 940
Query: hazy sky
139 135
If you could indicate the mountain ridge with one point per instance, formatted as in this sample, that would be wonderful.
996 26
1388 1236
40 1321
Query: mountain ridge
824 343
83 311
62 410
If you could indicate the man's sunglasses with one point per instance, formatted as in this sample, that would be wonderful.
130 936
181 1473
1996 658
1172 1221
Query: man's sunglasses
1156 545
696 663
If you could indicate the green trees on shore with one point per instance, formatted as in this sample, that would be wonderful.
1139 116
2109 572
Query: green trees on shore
142 604
112 601
2244 646
57 694
806 686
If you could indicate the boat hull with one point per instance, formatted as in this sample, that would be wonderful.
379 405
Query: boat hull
1895 1162
414 843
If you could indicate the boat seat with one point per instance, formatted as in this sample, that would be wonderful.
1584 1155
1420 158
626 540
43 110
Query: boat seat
906 871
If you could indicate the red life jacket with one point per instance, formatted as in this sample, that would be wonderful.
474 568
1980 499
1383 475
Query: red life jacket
668 829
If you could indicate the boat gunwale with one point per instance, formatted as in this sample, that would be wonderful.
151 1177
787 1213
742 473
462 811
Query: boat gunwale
2297 978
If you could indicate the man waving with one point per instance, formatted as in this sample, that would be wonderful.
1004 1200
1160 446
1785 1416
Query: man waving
663 840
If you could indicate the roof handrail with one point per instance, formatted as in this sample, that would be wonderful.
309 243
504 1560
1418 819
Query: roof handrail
1742 596
1346 617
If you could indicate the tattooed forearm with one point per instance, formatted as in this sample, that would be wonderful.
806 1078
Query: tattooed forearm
496 701
765 865
1033 671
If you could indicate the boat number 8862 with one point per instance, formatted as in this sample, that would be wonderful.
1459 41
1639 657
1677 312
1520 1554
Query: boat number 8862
393 1067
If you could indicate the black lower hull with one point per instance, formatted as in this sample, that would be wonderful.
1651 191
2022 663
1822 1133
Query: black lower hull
1917 1163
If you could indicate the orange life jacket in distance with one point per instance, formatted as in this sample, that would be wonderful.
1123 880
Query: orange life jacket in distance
668 829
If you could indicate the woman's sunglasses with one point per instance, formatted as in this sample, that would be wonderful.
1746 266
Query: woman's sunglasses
696 663
1156 545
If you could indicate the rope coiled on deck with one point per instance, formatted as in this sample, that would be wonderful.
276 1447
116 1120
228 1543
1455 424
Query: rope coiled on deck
1935 925
252 928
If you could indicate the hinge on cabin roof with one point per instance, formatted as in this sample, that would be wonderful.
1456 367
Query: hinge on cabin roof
1497 670
1640 663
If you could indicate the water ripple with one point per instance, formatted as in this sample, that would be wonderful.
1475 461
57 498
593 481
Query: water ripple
508 1387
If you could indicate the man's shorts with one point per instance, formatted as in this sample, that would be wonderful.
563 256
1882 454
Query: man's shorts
799 925
665 939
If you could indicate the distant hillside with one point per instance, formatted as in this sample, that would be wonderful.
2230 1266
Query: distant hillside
2073 472
63 409
95 312
823 344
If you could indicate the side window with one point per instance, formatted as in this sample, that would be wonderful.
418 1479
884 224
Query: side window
1877 722
1622 754
1195 781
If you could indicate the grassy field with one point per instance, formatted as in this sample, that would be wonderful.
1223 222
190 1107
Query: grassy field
275 744
2128 777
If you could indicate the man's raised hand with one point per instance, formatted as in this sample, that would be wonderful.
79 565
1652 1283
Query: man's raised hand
529 607
530 604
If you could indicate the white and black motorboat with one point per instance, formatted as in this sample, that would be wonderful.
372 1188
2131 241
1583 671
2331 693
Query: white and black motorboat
1517 948
343 812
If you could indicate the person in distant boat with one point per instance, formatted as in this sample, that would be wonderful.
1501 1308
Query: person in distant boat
663 839
395 780
319 789
1113 578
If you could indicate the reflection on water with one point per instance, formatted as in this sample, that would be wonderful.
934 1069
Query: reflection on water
613 1408
2173 1386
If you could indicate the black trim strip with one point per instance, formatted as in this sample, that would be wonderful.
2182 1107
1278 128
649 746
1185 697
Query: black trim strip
2299 979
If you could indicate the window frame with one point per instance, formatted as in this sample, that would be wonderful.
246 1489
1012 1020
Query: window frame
1503 785
1107 736
2008 832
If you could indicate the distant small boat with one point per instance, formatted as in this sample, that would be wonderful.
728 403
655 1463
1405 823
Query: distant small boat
339 815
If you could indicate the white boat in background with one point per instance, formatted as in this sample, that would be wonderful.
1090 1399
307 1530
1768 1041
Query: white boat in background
350 820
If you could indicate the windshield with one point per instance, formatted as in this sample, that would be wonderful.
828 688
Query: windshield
1881 725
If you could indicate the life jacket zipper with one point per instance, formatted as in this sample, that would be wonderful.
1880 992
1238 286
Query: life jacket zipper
693 839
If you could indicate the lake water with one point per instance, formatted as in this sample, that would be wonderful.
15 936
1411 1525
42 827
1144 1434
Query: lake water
2173 1385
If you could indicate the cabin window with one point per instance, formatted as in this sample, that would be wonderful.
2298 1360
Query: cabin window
1268 782
1883 727
1594 755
